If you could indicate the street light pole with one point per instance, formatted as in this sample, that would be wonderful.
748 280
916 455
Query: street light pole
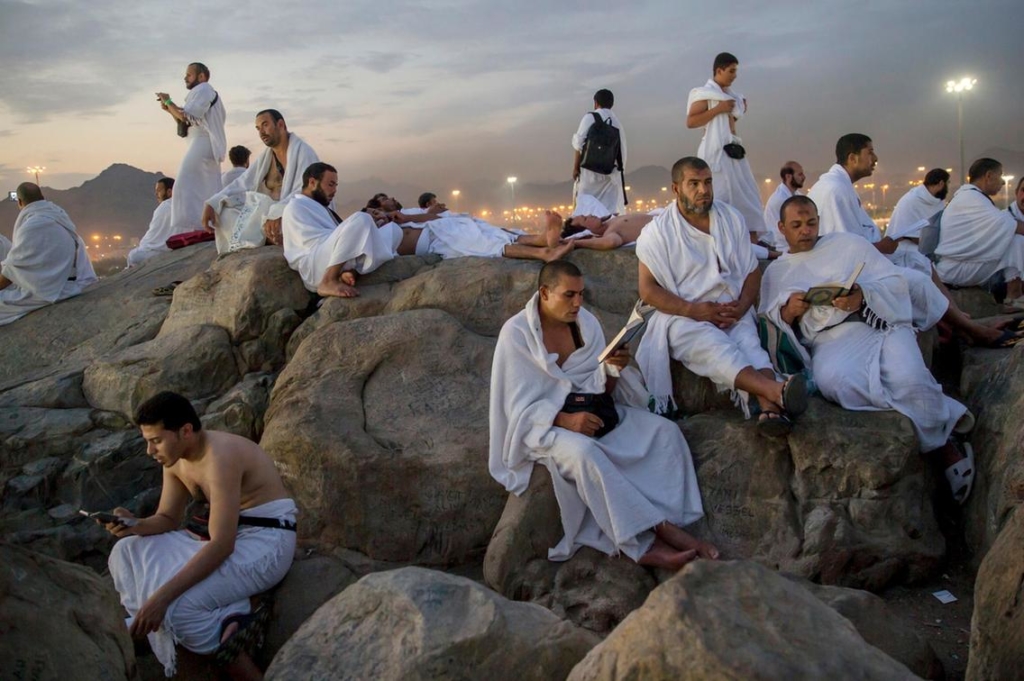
35 170
959 88
1007 179
512 183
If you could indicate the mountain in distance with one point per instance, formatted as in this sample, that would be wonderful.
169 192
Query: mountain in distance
120 199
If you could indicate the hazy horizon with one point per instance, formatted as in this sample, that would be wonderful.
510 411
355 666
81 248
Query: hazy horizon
442 93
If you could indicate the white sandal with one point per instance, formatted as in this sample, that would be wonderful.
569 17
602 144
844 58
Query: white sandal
960 475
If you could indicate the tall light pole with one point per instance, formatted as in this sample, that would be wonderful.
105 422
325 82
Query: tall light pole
1007 179
885 188
455 199
35 170
964 85
512 183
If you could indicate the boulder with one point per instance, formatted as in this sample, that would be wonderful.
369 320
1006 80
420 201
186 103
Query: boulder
592 590
976 301
240 410
28 433
62 390
735 620
419 624
196 361
379 427
115 313
997 628
990 385
59 621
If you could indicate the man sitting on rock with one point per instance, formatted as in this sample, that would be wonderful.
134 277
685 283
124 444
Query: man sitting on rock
623 477
861 346
47 260
326 252
697 268
193 586
154 241
261 193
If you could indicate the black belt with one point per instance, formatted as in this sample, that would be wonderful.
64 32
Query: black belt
278 523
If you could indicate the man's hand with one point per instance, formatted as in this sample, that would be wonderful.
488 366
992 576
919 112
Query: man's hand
575 172
150 616
726 106
209 219
437 208
850 302
162 97
620 358
580 422
117 529
722 315
272 230
795 307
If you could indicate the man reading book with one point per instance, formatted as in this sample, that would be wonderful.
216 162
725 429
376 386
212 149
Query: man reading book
861 348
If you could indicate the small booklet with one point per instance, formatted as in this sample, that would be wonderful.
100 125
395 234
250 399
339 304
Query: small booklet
826 293
637 321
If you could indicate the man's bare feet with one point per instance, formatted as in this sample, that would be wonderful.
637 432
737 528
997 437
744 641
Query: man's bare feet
336 289
684 541
558 252
661 555
348 277
553 229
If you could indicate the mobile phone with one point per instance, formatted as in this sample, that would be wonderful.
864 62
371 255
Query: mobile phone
13 196
104 517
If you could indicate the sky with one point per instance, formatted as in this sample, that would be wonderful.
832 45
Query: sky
448 91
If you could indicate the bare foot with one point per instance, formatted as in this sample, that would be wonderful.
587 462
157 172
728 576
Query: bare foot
348 277
558 252
336 289
661 555
553 229
684 541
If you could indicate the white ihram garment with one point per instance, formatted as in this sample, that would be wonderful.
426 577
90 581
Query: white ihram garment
771 217
916 205
977 240
605 188
199 174
154 241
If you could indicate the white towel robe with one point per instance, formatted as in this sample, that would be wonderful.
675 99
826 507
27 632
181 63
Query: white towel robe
611 490
154 241
733 179
977 240
199 174
314 241
458 237
916 205
41 261
5 247
229 176
141 565
698 267
855 365
605 188
771 217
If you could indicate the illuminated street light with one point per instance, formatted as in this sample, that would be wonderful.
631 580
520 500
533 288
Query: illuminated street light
35 170
885 188
964 85
920 169
512 183
455 196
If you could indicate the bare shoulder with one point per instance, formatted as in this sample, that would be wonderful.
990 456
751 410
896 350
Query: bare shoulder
231 447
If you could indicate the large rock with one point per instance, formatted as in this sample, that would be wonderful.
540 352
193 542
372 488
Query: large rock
28 433
975 301
723 620
253 295
594 591
241 409
59 621
991 386
113 314
379 426
997 628
415 624
196 361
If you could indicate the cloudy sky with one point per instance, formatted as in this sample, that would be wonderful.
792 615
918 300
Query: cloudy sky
442 91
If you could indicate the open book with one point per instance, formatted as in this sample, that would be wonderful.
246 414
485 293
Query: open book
826 293
637 321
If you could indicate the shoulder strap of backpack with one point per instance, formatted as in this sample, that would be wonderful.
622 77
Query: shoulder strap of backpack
597 117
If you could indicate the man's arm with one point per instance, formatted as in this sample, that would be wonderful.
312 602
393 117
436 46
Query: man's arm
170 107
652 293
748 294
4 282
701 113
225 490
401 218
174 498
1020 230
576 157
886 246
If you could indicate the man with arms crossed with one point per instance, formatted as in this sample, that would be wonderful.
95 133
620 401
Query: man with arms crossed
178 588
621 488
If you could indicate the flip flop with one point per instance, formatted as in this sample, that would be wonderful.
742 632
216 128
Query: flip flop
250 631
166 290
965 424
960 475
774 424
794 395
1007 339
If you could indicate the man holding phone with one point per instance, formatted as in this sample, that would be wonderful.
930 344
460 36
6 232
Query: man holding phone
193 586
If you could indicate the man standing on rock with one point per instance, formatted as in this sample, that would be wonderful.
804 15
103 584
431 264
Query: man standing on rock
200 119
623 477
261 193
46 261
193 586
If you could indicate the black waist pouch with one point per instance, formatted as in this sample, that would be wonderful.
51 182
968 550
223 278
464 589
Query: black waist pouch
183 128
733 150
602 406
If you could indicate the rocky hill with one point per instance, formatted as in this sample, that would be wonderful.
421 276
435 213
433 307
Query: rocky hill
375 411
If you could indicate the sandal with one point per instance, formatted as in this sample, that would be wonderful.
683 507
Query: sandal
166 290
1007 339
960 475
794 395
774 424
250 631
965 424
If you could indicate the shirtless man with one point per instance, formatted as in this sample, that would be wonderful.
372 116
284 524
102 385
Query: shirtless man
609 233
179 588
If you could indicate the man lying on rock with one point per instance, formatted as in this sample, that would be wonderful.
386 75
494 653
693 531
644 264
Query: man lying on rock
861 346
623 477
192 587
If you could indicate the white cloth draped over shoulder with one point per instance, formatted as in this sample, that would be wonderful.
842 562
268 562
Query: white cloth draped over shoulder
199 174
5 247
154 241
771 217
605 188
698 267
855 364
47 261
1016 212
141 565
611 490
733 180
232 174
977 240
314 240
916 205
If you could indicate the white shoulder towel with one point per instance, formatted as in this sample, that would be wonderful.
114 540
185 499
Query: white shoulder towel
916 205
839 208
973 229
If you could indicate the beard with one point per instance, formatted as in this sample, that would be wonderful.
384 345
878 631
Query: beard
320 196
695 209
797 184
941 196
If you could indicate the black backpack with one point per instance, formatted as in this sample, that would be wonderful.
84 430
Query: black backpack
602 150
